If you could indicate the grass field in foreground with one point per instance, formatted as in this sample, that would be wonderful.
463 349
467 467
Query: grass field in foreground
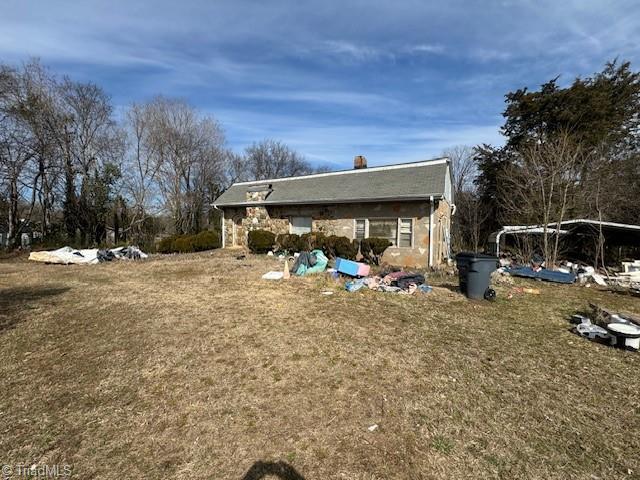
191 366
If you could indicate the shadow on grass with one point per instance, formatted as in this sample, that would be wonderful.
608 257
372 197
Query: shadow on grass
282 470
15 301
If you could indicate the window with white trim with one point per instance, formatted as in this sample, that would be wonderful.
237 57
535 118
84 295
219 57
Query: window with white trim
405 234
384 228
399 231
360 231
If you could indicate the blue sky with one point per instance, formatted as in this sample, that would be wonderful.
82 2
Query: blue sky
394 81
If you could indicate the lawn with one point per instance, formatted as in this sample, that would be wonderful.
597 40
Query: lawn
191 366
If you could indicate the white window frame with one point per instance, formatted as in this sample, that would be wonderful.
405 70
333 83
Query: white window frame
412 230
399 219
366 227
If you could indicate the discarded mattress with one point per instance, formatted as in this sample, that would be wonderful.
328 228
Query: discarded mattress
544 274
68 255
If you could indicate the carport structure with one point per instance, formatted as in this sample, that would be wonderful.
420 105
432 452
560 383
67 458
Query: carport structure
576 235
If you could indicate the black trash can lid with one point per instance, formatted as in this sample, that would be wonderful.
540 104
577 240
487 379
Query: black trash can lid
480 256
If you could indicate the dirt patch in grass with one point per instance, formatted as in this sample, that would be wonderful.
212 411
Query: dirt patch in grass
192 366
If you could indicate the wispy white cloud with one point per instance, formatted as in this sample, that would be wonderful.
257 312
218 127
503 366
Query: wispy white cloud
354 52
411 79
337 142
357 100
426 48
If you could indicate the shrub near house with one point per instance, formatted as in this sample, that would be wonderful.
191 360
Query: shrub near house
205 240
372 249
262 241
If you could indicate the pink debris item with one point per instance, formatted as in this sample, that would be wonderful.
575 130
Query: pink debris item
363 269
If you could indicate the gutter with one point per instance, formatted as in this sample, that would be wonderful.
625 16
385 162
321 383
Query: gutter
431 231
329 201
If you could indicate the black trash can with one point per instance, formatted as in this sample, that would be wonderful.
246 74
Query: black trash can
474 273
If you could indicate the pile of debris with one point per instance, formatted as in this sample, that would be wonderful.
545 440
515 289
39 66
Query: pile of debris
304 263
573 272
356 274
628 278
392 281
618 329
68 255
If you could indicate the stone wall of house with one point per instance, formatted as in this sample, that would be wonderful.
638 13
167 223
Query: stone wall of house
339 219
250 218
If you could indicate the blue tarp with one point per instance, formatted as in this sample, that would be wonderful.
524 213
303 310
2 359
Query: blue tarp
321 264
544 274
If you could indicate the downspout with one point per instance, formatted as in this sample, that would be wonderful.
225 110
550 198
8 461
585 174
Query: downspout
222 232
453 210
431 232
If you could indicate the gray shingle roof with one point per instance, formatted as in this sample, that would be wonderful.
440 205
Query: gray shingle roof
409 181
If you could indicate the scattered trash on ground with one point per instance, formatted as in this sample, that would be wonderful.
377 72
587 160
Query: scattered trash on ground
273 275
391 282
543 274
501 277
373 427
68 255
308 263
618 329
532 291
624 278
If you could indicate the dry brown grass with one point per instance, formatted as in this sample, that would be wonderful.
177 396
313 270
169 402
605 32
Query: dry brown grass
191 366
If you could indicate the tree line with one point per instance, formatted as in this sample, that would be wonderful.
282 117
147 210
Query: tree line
71 169
569 152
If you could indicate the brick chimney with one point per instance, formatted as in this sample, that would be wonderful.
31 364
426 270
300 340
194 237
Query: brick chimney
359 162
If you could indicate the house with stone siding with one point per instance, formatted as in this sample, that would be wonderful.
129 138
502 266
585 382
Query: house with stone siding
410 204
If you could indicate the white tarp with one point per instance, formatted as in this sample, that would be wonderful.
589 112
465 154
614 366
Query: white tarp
67 255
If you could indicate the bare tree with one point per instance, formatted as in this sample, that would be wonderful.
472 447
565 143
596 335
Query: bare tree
17 146
93 147
463 167
44 171
16 150
471 214
272 159
469 220
542 186
190 159
140 169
